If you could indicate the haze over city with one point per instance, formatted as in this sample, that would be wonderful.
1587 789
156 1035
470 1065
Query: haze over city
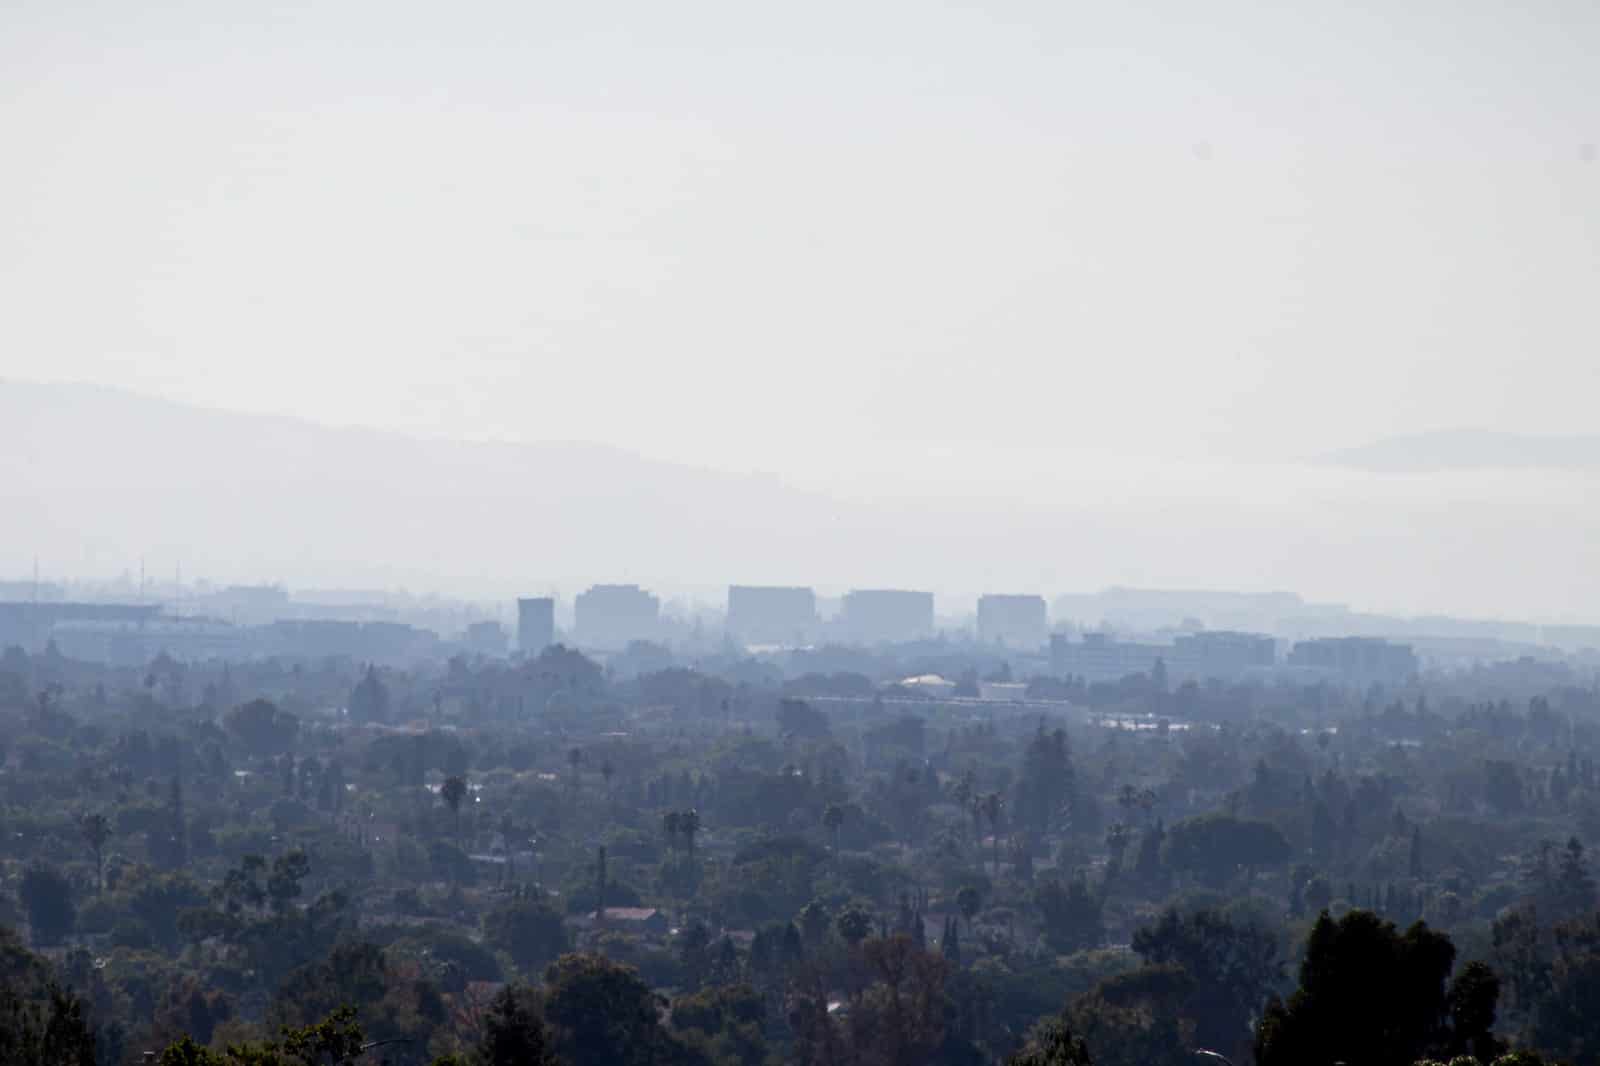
1100 283
886 533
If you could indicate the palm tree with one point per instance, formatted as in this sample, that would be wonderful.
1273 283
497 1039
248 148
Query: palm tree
994 805
689 825
453 791
574 757
833 818
96 830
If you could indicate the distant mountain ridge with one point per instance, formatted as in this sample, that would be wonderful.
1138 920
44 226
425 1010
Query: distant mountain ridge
92 475
1470 449
100 482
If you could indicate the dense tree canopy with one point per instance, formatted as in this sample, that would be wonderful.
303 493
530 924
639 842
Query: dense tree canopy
738 859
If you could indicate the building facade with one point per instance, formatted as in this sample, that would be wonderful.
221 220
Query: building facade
536 624
1013 621
771 614
1204 656
892 616
611 617
1364 659
30 625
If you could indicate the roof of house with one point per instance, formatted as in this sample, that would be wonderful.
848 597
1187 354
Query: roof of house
630 914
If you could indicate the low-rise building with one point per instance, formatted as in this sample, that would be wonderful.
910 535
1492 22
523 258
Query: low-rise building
1362 659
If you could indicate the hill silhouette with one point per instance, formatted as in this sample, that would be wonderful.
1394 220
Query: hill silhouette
101 477
1471 449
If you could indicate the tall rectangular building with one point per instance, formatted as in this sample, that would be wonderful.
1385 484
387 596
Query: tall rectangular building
1013 621
873 616
536 624
614 616
771 615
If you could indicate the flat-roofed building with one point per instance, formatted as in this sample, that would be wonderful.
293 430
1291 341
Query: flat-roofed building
614 616
1099 657
485 638
769 614
1221 654
1013 621
1204 656
1357 658
536 624
29 624
874 616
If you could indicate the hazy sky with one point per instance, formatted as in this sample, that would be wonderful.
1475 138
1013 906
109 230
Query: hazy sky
849 242
697 229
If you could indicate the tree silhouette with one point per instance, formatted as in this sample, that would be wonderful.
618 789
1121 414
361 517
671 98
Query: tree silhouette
574 759
1053 1044
1368 994
599 1011
96 830
969 900
853 924
689 825
47 896
513 1034
833 818
453 791
994 806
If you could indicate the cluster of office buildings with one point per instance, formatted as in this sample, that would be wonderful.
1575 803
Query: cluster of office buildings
608 618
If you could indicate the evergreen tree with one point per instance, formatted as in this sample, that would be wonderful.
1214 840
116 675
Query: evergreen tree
1368 994
513 1034
951 942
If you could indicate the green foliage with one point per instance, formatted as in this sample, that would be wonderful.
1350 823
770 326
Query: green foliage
157 901
1367 993
1133 1019
1053 1044
1072 914
1215 847
463 958
48 898
528 930
262 729
726 1022
1565 1023
1233 966
1046 789
369 700
337 1040
513 1033
853 923
602 1012
53 1033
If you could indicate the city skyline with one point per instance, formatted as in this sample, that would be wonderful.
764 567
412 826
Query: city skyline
315 506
